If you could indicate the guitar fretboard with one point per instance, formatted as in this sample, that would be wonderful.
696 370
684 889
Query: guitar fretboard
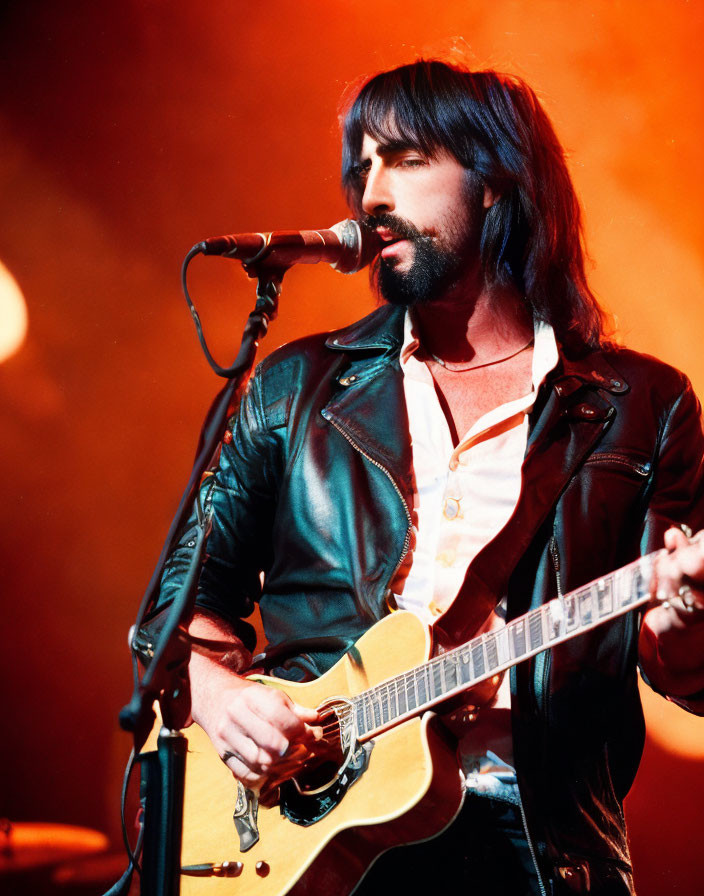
486 655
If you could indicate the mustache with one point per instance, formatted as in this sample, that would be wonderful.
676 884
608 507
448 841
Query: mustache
399 226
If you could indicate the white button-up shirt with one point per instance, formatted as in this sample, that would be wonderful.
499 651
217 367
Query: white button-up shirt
463 497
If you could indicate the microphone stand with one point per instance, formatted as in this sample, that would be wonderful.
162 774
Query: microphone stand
166 652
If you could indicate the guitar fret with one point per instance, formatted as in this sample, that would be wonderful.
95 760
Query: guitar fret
604 596
416 700
570 605
619 589
478 660
643 582
452 672
584 601
442 689
404 704
411 691
492 654
626 583
535 630
376 713
402 696
595 603
369 711
422 686
359 716
502 645
634 587
518 637
384 707
427 676
464 665
437 678
545 622
378 705
431 683
556 620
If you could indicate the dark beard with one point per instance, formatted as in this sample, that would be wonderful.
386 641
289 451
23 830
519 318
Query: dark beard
431 274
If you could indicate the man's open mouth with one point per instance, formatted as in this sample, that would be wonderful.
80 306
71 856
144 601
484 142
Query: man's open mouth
388 236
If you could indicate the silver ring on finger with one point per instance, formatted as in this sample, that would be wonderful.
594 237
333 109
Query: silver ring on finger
227 755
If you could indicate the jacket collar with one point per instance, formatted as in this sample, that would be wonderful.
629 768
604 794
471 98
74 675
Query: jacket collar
590 369
382 330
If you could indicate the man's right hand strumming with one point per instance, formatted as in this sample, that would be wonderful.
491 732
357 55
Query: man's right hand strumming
259 732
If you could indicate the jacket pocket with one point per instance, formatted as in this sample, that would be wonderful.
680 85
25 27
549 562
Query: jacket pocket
620 463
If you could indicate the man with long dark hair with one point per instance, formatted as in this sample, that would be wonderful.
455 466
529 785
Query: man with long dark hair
475 447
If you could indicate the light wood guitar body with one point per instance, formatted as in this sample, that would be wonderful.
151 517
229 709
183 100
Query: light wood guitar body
410 790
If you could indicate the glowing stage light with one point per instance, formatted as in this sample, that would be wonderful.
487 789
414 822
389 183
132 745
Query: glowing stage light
13 315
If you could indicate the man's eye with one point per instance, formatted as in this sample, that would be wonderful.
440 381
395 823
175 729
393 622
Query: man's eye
413 162
360 172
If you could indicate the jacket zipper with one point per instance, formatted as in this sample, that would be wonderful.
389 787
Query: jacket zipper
555 557
529 841
547 655
391 479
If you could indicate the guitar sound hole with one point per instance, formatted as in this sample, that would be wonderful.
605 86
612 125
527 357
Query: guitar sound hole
327 760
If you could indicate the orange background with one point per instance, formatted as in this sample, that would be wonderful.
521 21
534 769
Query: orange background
130 132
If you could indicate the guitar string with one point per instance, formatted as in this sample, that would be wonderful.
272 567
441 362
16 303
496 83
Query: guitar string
574 604
518 628
583 605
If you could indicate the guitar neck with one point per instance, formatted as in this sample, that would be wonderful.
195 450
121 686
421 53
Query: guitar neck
463 667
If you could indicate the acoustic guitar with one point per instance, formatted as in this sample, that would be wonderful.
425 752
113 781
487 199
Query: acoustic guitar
389 774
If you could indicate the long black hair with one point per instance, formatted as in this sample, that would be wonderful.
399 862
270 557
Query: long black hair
494 125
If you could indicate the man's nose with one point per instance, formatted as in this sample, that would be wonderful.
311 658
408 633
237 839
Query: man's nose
378 196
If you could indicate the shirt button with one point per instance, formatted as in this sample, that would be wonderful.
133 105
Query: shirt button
452 508
446 558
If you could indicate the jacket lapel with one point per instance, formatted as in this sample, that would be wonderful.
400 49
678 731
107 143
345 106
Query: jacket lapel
369 406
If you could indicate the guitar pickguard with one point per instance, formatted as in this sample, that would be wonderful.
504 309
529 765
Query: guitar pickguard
307 808
245 817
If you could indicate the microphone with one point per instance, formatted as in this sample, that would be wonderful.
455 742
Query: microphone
348 246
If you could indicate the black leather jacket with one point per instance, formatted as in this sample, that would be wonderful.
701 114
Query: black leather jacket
314 489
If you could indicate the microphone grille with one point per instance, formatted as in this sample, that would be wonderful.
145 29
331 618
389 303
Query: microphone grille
360 242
